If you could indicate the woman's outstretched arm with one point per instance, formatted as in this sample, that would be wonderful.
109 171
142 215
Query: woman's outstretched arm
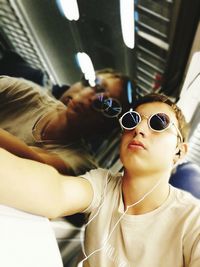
17 147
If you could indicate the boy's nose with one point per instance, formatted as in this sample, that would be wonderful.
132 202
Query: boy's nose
142 128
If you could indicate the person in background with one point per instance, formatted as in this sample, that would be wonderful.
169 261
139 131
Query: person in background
48 123
135 218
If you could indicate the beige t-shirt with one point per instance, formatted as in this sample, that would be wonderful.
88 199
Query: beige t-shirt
166 237
22 103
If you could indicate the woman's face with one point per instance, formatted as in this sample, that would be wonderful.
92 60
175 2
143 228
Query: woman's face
79 102
107 84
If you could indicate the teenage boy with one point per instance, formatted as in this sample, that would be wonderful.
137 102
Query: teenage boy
135 218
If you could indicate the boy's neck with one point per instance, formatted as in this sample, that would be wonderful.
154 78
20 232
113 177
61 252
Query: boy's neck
135 188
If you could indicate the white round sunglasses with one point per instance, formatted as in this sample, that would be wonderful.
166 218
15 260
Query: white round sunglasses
157 122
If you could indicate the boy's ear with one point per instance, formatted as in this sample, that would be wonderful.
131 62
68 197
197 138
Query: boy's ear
184 149
181 151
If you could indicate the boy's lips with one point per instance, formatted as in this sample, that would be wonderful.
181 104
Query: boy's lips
136 143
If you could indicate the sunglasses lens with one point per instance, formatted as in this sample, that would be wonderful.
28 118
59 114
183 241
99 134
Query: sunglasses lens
130 120
112 108
159 122
100 102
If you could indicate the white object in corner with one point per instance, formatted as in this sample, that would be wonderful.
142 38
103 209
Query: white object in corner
27 240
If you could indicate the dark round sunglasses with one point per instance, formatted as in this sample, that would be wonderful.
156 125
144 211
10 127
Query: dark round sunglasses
158 122
109 107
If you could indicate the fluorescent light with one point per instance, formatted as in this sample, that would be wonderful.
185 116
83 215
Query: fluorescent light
127 22
69 8
86 66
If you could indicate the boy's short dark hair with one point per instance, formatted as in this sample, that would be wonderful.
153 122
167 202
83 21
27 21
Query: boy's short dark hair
153 97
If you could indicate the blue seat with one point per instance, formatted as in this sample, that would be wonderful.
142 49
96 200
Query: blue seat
187 177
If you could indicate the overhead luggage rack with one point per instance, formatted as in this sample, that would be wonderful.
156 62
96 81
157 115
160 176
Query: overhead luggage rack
17 32
19 38
153 26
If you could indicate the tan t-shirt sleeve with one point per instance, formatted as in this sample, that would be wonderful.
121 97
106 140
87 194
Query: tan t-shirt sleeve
99 181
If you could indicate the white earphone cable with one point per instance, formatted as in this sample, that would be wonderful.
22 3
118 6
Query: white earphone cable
114 227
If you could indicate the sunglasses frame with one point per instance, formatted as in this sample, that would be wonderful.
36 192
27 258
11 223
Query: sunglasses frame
148 122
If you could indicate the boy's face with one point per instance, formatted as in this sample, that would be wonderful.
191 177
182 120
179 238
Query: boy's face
155 151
